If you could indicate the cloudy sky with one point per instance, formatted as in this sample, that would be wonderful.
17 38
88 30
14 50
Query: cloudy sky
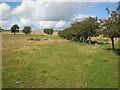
57 15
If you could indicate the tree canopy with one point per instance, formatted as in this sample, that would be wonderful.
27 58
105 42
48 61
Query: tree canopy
14 29
81 31
111 26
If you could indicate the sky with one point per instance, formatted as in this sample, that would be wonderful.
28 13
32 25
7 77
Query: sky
56 15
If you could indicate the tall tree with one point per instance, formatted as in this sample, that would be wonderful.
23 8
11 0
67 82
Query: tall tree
14 29
112 25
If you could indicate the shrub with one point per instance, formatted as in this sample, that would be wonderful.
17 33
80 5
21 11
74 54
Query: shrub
48 31
27 30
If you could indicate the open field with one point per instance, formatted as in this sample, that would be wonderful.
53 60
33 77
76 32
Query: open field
50 61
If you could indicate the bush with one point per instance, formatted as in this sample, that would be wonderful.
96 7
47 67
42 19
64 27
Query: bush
48 31
31 39
34 39
27 30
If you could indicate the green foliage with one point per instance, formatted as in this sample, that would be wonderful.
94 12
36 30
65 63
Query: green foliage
27 30
111 26
81 31
48 31
14 29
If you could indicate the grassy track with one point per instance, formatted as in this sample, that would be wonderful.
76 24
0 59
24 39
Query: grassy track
55 62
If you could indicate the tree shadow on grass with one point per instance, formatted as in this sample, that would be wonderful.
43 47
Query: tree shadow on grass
34 39
116 51
95 42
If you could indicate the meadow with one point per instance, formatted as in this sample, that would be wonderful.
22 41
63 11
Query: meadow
49 61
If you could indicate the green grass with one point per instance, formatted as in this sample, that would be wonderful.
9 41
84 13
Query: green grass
58 63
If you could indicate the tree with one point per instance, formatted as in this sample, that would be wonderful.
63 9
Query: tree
81 31
48 31
86 28
1 29
112 25
27 30
14 29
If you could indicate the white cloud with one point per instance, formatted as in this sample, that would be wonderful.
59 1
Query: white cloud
6 24
4 11
40 25
81 17
62 24
64 0
54 11
40 15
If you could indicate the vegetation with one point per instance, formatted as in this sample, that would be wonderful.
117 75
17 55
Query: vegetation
40 61
14 29
48 31
27 30
1 29
57 63
81 31
111 26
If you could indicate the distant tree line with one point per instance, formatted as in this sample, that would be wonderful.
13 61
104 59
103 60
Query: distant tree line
27 30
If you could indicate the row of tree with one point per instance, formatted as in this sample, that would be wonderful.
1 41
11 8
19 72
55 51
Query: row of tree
15 29
27 30
82 31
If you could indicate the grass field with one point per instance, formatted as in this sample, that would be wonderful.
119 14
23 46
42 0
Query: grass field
50 61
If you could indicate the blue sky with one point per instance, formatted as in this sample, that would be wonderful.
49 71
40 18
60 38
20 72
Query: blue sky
99 9
56 15
13 4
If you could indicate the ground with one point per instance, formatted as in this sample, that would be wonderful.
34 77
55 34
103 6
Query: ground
42 61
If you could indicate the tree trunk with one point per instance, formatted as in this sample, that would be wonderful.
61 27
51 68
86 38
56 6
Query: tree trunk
14 33
89 40
78 38
112 39
85 39
81 39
